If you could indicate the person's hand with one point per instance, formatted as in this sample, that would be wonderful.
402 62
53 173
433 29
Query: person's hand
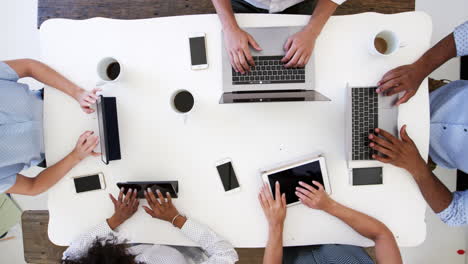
85 146
124 207
274 209
406 78
160 208
87 98
401 153
237 46
299 48
312 197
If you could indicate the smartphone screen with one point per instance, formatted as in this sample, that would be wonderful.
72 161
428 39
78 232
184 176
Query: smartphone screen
197 50
87 183
367 176
228 176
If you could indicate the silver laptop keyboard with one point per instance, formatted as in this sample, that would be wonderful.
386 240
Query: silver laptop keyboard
267 70
364 121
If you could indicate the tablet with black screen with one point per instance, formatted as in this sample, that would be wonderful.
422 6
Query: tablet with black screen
290 176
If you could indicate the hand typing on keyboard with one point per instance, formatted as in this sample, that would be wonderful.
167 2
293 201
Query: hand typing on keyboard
299 48
237 45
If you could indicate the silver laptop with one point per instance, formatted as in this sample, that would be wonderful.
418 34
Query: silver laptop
268 80
367 110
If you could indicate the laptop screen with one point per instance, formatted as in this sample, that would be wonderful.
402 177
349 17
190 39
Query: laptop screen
102 132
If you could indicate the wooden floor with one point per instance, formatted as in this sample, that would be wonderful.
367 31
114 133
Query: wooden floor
132 9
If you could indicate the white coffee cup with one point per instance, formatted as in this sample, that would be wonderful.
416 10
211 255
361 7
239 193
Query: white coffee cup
185 102
392 43
109 70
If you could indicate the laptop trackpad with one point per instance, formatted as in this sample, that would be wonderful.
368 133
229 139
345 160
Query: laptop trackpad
270 39
388 120
387 101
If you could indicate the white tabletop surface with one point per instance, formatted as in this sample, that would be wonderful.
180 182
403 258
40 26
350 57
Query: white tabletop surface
156 145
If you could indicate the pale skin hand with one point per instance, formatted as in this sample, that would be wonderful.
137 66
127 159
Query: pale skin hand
312 197
404 154
237 45
408 78
275 213
45 74
299 47
125 206
162 208
50 176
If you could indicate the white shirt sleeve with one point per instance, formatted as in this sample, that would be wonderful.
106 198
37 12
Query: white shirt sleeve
338 2
81 245
218 250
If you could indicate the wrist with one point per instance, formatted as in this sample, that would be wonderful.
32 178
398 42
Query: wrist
276 228
114 222
330 207
423 68
76 92
75 157
419 171
312 29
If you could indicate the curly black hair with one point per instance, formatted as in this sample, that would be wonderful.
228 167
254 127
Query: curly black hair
105 251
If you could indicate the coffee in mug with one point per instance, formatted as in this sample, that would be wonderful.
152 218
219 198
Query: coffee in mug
385 43
182 101
109 69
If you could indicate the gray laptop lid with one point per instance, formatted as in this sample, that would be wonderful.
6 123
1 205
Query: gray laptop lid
272 96
272 41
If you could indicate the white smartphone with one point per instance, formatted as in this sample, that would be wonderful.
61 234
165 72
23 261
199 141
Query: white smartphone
227 176
88 183
198 51
309 170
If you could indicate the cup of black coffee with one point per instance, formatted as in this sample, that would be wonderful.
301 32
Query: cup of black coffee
182 101
109 69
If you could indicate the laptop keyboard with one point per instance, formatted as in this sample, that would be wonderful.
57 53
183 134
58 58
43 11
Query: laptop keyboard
364 121
267 70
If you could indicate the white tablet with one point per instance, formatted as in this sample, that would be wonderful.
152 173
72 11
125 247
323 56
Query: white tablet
289 177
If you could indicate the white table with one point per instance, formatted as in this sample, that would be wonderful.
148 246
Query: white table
156 145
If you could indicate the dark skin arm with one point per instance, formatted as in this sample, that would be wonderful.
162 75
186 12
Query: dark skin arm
408 78
404 154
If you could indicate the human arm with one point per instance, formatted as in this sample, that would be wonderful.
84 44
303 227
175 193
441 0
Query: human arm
124 208
409 77
217 249
404 154
299 47
236 40
48 76
275 212
50 176
386 248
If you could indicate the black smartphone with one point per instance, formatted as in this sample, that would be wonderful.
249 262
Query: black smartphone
89 183
227 175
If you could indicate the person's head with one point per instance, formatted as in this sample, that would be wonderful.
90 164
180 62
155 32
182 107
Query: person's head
105 251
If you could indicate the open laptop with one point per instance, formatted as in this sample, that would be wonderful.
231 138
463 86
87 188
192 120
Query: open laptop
367 110
268 80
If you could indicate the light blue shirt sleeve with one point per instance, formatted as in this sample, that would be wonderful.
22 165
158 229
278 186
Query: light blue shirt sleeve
7 73
456 213
460 35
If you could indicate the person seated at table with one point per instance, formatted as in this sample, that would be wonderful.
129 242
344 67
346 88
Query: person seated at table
452 208
386 248
298 48
448 131
21 131
104 244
